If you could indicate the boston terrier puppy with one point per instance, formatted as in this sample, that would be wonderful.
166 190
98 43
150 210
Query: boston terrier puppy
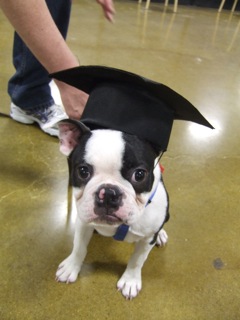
119 192
113 155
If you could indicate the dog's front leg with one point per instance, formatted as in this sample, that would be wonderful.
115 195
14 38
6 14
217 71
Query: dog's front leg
69 269
131 281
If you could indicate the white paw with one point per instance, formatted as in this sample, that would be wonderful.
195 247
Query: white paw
162 238
130 287
68 270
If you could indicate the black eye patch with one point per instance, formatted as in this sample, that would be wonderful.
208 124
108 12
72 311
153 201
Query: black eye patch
83 172
140 178
138 163
80 172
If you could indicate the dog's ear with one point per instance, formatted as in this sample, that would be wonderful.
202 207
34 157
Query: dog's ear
70 133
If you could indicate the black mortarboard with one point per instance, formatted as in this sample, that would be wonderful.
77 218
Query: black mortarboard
124 101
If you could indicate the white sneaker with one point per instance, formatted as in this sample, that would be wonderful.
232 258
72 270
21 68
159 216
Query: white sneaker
46 118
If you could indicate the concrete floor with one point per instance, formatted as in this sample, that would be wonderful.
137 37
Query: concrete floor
196 276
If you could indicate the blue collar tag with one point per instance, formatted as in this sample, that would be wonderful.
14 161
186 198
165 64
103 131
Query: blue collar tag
121 232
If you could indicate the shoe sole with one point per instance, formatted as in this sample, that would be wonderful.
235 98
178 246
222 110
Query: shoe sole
22 119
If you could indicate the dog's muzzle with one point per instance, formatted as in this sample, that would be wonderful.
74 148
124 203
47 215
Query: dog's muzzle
108 199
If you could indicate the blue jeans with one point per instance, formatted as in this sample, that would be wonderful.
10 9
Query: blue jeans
29 86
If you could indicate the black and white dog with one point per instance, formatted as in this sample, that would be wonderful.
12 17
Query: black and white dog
119 192
114 168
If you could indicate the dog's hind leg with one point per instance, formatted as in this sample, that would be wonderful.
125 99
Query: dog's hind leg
162 238
69 269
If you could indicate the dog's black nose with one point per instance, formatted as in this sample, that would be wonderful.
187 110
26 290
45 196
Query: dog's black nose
108 196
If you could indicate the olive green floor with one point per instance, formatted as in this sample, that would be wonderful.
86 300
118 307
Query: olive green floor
197 275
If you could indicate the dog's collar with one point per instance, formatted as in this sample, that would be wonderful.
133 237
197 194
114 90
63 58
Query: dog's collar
122 230
152 196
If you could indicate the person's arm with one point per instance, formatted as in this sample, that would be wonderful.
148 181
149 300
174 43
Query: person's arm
33 22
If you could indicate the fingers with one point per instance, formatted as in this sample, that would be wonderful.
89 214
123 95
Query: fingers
108 9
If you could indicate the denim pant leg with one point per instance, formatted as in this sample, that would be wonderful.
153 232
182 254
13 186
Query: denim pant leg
29 86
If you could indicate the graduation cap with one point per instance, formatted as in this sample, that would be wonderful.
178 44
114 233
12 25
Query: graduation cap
127 102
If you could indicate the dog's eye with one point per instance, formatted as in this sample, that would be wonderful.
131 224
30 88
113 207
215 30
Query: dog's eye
139 175
84 172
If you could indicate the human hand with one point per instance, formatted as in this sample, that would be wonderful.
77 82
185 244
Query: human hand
108 9
73 99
